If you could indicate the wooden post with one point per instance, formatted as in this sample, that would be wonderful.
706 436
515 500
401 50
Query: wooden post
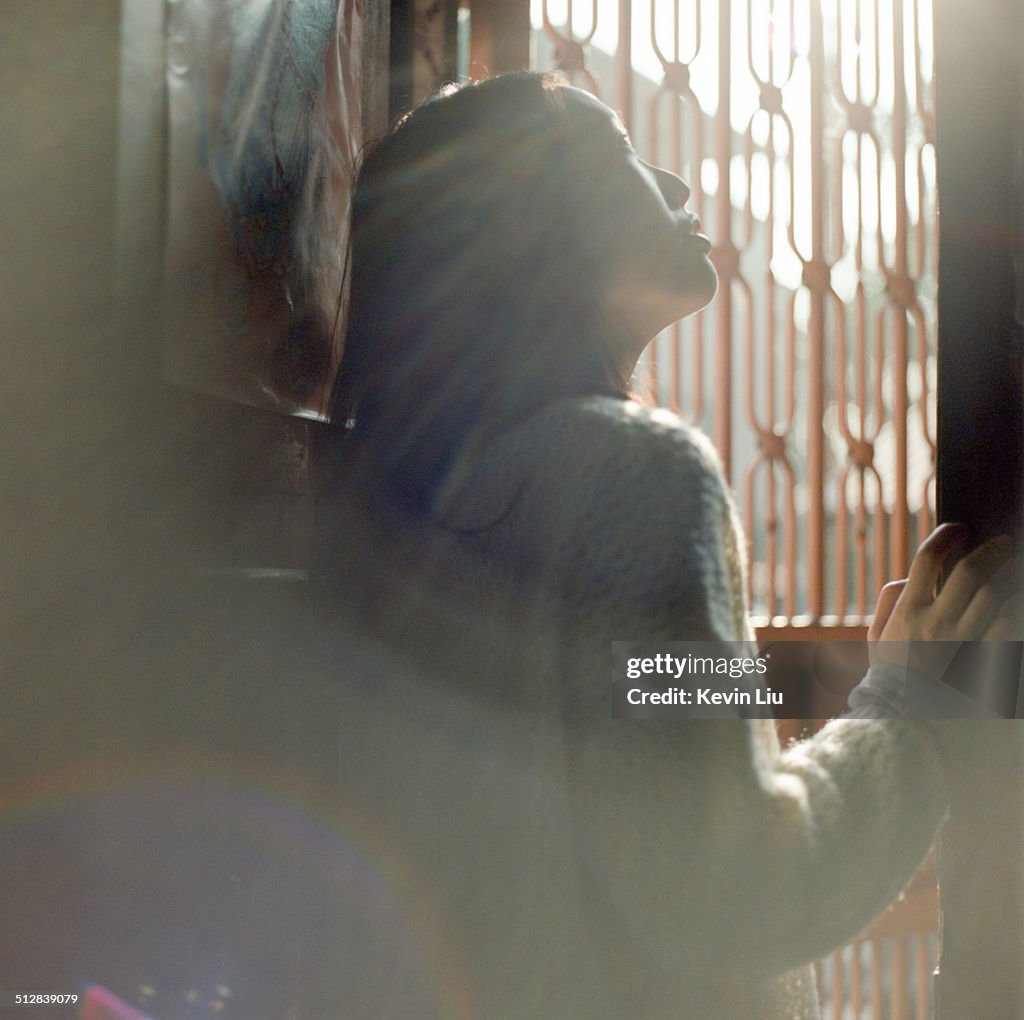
980 150
499 37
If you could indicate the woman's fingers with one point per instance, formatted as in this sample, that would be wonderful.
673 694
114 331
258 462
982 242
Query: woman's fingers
981 600
974 591
926 569
887 599
972 605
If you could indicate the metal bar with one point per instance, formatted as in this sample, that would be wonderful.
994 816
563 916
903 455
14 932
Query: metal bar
899 1001
624 64
856 993
816 273
877 996
837 984
726 255
921 983
899 289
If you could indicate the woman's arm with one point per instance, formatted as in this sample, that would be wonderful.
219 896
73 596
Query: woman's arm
709 844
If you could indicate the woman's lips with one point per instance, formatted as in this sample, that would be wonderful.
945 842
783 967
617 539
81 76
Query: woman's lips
691 232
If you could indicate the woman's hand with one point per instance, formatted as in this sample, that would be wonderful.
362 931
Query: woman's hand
914 627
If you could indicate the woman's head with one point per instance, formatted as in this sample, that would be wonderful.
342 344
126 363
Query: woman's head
508 248
654 266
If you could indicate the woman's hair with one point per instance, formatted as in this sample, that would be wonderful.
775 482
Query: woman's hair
474 298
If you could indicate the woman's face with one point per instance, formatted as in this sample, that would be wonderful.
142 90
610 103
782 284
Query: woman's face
655 258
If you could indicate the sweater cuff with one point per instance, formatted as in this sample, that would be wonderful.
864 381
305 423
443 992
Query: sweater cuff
892 692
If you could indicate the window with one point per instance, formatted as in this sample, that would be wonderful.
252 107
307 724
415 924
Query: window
807 133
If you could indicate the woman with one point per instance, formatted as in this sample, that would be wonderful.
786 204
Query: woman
509 512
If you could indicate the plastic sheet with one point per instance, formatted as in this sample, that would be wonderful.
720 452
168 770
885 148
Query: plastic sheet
261 124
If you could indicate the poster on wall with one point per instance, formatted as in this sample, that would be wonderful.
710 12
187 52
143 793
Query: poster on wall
241 119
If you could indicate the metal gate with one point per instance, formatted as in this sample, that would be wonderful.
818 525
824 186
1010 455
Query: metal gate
807 132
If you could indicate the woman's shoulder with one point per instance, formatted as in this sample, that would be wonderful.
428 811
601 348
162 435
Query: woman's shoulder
630 504
587 450
605 429
607 453
624 507
604 442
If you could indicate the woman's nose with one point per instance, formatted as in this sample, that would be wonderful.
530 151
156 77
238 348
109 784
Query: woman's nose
673 187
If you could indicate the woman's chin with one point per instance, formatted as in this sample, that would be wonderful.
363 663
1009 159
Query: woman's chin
697 298
646 312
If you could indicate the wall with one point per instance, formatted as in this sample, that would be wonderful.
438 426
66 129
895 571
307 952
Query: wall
68 384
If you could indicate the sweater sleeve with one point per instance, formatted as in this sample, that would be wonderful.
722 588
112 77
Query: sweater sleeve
707 842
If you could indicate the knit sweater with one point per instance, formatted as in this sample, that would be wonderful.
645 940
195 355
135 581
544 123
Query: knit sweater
590 866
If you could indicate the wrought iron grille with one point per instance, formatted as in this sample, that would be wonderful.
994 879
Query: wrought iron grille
806 129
